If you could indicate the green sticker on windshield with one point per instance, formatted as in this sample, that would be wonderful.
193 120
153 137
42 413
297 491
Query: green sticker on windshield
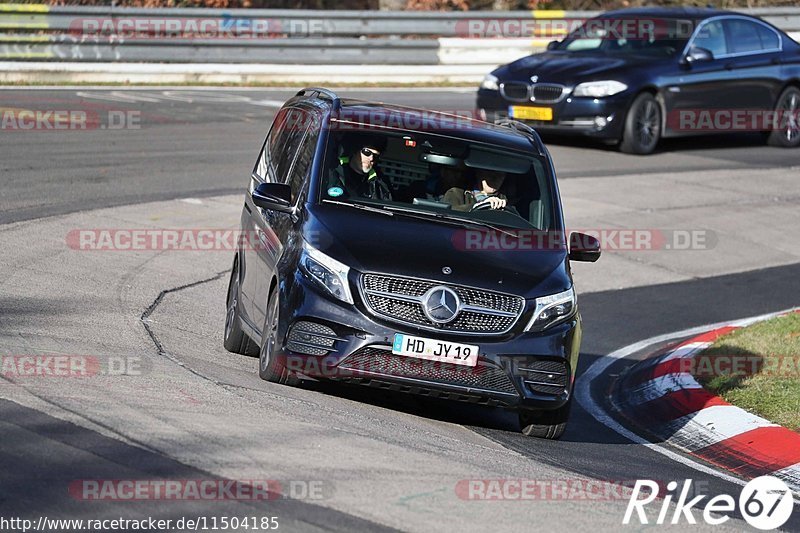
335 191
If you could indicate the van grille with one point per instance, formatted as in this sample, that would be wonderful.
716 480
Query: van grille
400 300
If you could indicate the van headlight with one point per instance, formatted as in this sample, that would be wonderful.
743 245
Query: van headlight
599 89
327 272
490 83
551 310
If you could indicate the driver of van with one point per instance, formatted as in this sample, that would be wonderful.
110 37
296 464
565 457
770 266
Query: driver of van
484 195
357 176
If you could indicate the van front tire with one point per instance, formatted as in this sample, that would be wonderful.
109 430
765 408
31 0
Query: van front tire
269 367
545 424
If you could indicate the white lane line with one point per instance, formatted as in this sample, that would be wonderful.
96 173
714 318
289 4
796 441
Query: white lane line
117 96
719 422
599 367
190 96
268 103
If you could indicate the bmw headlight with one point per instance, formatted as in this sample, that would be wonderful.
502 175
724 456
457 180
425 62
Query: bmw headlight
599 89
490 83
327 272
552 309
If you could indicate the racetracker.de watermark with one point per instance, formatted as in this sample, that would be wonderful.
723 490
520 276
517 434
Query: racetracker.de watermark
327 367
741 365
732 120
357 118
469 240
70 366
610 239
21 119
136 490
616 29
143 28
180 239
567 489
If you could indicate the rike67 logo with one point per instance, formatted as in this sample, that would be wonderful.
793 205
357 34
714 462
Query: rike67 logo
766 503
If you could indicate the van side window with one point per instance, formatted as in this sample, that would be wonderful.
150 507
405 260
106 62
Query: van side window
284 151
302 166
275 132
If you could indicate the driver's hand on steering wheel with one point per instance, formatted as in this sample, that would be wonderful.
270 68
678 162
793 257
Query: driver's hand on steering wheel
495 202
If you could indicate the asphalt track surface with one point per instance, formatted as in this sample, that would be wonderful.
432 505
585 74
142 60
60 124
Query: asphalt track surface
203 143
193 144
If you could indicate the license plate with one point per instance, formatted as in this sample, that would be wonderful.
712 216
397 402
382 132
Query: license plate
433 350
530 113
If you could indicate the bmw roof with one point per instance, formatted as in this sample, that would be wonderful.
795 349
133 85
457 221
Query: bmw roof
697 13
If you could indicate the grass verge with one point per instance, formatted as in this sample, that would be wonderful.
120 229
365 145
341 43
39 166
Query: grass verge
768 381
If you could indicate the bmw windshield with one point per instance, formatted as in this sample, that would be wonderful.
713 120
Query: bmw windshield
651 36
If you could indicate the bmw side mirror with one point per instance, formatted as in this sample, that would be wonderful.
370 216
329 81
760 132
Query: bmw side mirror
273 196
583 247
697 54
552 45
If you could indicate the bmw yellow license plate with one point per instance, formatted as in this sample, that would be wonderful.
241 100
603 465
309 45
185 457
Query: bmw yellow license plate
433 350
530 113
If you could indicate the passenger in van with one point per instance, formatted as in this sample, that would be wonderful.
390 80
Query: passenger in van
484 195
441 179
357 175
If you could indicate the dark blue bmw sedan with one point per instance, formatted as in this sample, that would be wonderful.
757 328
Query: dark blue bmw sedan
635 76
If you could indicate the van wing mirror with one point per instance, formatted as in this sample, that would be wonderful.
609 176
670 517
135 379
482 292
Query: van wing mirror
273 196
583 247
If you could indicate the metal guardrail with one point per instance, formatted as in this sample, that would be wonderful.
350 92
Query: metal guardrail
105 34
297 23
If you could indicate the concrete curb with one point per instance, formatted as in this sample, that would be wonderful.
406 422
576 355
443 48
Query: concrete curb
662 398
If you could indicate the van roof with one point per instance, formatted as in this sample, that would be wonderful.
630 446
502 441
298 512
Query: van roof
398 118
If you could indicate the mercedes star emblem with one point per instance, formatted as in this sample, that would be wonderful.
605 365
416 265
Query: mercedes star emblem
441 305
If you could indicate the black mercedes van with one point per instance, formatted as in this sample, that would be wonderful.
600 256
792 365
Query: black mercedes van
409 250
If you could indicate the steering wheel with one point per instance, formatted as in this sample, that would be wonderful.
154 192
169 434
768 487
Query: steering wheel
483 206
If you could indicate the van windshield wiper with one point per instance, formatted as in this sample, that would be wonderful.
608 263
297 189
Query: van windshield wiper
363 207
448 218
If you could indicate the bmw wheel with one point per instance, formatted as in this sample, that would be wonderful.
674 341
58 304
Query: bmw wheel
786 129
642 126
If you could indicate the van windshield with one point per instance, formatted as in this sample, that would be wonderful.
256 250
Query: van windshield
442 178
